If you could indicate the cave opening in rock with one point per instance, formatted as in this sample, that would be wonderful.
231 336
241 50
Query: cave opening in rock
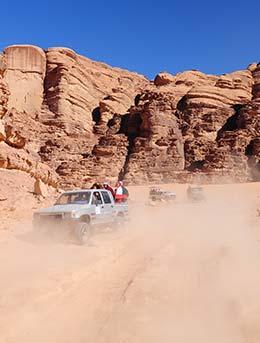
114 124
137 99
196 165
124 125
230 125
181 105
232 122
253 161
131 127
85 155
249 149
96 115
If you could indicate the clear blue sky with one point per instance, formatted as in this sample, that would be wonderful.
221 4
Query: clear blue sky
144 36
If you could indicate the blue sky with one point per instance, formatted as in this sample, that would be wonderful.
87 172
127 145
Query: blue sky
143 36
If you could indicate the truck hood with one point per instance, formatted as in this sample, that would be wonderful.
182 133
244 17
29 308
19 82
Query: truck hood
61 209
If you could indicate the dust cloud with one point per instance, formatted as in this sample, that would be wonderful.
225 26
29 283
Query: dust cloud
208 271
175 272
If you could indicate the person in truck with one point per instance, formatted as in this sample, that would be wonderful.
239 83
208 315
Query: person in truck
107 186
96 185
121 192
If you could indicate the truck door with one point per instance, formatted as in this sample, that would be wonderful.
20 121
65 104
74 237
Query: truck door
98 209
109 205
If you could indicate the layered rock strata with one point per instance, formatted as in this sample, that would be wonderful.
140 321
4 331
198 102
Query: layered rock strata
69 121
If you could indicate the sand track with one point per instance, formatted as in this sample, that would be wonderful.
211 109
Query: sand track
177 273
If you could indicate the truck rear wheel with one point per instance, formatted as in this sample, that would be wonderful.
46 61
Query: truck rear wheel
82 233
119 220
40 229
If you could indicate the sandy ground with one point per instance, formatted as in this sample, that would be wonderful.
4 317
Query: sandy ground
175 273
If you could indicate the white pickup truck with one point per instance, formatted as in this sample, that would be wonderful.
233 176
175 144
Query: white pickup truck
80 210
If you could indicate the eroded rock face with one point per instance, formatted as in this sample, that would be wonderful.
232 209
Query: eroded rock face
24 76
4 93
156 149
209 115
163 79
69 121
2 132
40 188
75 85
17 159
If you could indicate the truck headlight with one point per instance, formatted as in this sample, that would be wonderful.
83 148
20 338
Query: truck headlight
73 214
70 215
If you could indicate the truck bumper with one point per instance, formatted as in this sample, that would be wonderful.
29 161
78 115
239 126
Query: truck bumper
54 223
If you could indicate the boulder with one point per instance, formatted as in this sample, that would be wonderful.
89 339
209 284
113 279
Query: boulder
163 79
14 138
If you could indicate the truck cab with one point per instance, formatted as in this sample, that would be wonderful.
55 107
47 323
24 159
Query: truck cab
80 210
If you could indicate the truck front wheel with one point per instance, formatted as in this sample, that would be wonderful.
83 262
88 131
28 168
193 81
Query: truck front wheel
82 233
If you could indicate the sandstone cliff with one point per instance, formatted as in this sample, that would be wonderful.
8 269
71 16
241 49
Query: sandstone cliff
67 121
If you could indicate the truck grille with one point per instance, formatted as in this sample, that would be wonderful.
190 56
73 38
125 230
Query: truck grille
52 217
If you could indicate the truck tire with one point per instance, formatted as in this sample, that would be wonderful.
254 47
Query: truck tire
82 233
39 228
119 220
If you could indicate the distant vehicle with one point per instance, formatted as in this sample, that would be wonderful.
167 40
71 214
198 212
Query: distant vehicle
157 194
195 193
81 210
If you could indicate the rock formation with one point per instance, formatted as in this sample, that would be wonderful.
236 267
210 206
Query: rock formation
68 121
24 75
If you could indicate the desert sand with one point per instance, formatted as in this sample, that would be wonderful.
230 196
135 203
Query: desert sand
181 272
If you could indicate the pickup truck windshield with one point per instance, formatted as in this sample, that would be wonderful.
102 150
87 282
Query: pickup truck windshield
74 198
